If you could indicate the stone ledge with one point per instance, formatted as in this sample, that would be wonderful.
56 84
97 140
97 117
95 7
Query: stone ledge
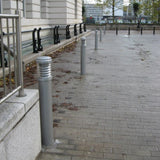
12 111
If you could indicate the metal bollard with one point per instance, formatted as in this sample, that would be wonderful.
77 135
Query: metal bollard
104 29
116 30
141 30
100 34
45 95
128 30
96 40
154 29
83 56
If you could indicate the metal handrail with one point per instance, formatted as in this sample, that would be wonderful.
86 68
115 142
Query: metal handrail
14 71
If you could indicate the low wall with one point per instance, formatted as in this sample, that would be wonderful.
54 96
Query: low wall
124 26
20 136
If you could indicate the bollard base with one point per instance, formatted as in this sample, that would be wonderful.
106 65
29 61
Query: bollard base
52 149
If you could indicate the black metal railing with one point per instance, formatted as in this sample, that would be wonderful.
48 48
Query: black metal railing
75 30
40 47
68 35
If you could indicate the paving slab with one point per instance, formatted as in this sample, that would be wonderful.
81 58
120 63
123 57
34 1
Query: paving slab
113 112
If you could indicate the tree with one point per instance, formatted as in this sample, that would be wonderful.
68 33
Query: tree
136 7
111 4
152 8
83 11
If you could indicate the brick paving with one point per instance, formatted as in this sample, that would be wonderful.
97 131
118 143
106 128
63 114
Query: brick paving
112 113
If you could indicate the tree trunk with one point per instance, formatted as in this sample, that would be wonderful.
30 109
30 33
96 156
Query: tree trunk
113 7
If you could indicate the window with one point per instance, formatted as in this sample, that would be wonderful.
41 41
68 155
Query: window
75 9
1 6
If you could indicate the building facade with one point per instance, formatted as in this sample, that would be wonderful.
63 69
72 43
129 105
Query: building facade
94 11
44 12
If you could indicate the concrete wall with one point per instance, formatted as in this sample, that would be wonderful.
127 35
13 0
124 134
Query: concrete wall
20 136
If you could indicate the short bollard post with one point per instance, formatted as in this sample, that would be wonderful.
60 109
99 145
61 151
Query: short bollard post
104 29
141 30
100 34
116 30
154 28
83 56
45 96
96 40
128 30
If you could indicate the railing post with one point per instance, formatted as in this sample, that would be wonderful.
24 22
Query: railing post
45 94
83 56
75 30
68 36
35 49
80 28
96 40
19 55
40 47
57 33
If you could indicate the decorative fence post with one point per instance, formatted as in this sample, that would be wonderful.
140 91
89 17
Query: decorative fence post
35 49
40 47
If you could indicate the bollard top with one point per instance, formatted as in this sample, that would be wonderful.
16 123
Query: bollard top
44 60
83 38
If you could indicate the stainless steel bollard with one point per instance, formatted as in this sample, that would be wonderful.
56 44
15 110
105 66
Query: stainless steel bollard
45 95
96 40
83 56
100 34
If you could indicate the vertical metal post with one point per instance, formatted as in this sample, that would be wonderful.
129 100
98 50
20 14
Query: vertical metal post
116 30
57 33
84 27
100 34
45 94
83 56
128 30
35 49
96 40
75 30
2 57
19 54
154 28
141 30
105 29
40 47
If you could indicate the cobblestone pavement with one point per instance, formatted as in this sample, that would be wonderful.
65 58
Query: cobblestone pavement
112 113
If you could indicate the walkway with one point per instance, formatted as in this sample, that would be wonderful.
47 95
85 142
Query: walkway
112 113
